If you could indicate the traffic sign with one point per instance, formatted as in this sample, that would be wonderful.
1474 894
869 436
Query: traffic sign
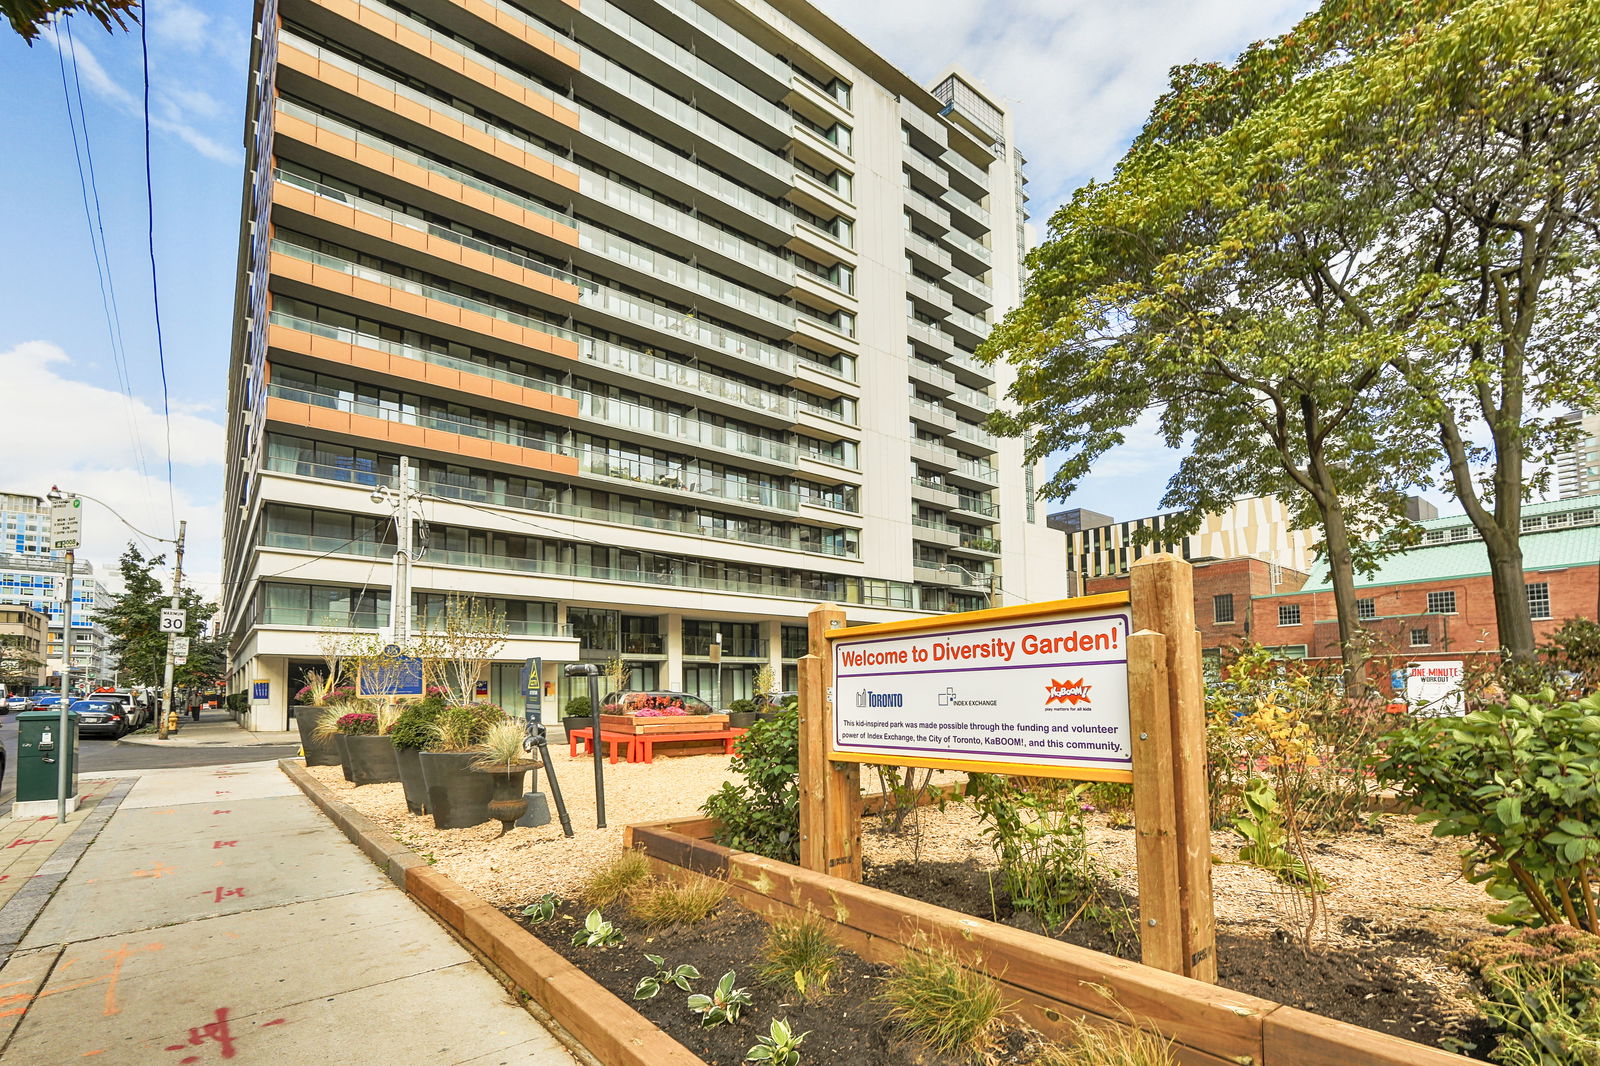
174 620
179 660
180 649
66 524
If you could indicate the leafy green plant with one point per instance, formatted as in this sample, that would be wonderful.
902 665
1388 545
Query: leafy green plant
596 932
950 1008
723 1005
762 815
651 986
464 727
418 725
1521 781
577 707
612 881
1261 825
1036 829
1542 994
672 903
743 707
780 1047
799 952
542 909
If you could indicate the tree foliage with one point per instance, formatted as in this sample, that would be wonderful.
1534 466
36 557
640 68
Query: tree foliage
134 622
29 17
1365 247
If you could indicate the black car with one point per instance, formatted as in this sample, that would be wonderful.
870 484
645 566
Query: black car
101 718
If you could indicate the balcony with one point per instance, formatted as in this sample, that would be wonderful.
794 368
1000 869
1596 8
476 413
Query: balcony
926 176
665 425
970 371
643 644
969 330
966 215
925 209
932 300
929 340
695 381
968 402
970 293
927 255
970 255
976 180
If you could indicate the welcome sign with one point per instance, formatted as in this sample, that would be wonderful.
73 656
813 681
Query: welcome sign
1039 689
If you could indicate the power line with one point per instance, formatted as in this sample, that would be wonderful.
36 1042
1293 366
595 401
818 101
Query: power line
97 235
155 288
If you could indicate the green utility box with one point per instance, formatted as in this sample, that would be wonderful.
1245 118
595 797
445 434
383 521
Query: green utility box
40 746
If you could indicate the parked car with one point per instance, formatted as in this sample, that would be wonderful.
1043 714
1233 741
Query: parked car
98 717
634 702
42 702
16 703
137 715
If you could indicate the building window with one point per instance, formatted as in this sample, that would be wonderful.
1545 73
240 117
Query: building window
1442 602
1539 599
1222 608
1288 614
1419 638
1366 609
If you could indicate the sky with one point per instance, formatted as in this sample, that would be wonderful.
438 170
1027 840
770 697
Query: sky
1080 76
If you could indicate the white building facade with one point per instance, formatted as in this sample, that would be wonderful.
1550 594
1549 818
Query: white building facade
668 307
31 575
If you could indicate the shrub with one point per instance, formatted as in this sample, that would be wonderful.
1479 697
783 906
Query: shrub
799 952
608 884
1036 829
418 725
762 815
1521 781
467 726
670 903
1543 995
744 707
577 707
948 1007
357 724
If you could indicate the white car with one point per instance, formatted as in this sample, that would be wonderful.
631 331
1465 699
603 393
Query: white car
16 703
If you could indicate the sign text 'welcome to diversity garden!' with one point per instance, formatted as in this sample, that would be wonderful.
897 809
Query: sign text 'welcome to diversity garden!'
1048 691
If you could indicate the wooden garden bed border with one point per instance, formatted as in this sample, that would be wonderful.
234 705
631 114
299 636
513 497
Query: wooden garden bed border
1049 979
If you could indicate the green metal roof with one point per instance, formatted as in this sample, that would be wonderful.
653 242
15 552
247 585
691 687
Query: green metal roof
1544 549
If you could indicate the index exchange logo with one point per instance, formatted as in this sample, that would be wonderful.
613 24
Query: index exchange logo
1070 692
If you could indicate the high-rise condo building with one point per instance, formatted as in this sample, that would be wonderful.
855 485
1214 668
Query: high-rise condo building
656 317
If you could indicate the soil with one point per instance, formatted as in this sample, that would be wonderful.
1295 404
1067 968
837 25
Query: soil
846 1028
1384 960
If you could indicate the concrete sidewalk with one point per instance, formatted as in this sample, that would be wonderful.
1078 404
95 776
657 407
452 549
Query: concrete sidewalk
219 916
215 729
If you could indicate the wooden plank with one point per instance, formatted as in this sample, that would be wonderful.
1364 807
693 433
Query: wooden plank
701 856
812 767
831 805
698 828
1162 588
1155 818
1299 1038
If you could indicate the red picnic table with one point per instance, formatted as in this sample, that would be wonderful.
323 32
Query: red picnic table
641 746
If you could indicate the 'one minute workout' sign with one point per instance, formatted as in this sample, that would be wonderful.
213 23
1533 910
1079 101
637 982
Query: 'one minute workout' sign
1038 689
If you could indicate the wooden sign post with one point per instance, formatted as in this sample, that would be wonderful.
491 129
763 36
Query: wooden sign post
1100 688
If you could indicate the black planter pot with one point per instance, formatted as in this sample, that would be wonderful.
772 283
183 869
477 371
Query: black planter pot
372 760
577 722
339 742
410 760
318 752
743 719
507 802
458 797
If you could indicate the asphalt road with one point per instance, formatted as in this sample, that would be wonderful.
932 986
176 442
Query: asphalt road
97 753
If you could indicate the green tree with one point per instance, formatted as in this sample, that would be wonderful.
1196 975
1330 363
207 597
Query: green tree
133 620
29 17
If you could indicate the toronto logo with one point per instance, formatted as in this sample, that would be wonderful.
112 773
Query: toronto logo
1072 692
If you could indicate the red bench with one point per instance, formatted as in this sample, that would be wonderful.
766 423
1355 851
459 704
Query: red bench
644 744
613 740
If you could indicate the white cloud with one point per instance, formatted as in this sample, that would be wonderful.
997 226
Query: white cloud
181 26
96 454
173 114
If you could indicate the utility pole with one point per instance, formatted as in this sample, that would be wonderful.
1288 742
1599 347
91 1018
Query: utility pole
166 674
65 533
403 499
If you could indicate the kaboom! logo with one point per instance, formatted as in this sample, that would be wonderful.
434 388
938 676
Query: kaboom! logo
1069 692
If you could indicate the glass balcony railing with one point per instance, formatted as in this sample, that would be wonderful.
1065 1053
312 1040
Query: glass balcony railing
406 155
978 401
688 326
976 434
919 245
432 229
958 164
414 418
625 471
732 647
929 294
845 328
956 279
619 249
934 213
431 292
480 494
846 414
687 378
406 351
302 616
970 208
973 248
680 428
693 13
972 324
971 366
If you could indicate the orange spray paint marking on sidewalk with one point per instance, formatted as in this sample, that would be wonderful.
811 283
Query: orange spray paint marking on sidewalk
117 957
158 871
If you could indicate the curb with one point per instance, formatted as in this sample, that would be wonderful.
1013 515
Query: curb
583 1014
19 912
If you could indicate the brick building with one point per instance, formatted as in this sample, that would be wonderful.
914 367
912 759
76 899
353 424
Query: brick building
1226 593
1435 601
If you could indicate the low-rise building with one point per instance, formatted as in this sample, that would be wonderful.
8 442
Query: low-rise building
22 648
1226 592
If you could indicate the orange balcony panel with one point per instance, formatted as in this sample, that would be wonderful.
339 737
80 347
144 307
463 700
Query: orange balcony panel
347 217
521 30
374 159
374 292
406 108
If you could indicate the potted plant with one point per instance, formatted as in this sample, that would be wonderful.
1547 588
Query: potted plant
458 797
372 757
501 758
659 712
319 747
742 714
327 729
577 714
414 731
